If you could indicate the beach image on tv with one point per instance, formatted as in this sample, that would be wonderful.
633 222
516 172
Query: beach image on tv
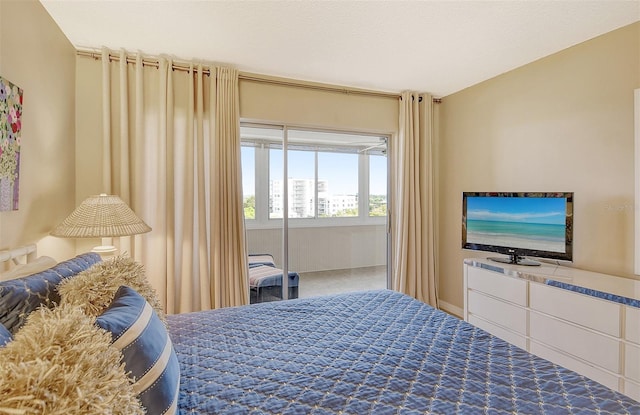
533 222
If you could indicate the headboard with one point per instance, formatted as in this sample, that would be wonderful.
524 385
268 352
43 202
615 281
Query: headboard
21 261
20 255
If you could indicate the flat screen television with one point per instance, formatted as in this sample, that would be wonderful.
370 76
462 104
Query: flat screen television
519 225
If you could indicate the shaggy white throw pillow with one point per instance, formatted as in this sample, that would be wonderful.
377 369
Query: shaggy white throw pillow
58 363
93 289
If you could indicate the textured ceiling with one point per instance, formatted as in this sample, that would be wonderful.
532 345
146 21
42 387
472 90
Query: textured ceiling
430 46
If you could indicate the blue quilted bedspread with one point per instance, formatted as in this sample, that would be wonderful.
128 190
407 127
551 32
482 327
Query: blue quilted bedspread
377 352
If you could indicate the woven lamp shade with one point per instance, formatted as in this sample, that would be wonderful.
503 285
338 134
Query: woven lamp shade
101 216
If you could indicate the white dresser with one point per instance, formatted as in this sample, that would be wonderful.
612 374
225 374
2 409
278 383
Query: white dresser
585 321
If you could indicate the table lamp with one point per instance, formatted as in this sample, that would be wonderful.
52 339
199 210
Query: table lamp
101 216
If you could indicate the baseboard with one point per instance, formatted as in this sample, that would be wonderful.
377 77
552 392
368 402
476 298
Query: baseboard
450 308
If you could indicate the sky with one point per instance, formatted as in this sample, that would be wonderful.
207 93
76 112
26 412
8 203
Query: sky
517 209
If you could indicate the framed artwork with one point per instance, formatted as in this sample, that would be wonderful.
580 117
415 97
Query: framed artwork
10 128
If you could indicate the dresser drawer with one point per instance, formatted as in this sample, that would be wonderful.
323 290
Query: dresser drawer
498 285
499 312
581 309
504 334
632 362
585 344
607 379
632 324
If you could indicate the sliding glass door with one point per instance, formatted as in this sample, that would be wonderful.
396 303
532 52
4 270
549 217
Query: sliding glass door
316 202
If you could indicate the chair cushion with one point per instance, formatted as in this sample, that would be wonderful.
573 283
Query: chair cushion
146 348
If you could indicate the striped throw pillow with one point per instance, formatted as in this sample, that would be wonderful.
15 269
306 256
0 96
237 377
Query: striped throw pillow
21 296
5 335
147 350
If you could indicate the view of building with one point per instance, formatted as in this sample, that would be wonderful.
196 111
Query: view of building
301 195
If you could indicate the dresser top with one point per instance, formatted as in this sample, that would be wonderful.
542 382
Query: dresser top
609 287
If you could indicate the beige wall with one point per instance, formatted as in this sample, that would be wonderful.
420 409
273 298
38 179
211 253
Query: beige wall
314 108
36 56
563 123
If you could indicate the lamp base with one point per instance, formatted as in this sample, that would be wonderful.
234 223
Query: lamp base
104 249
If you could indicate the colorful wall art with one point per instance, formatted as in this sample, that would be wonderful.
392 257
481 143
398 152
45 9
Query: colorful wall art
10 128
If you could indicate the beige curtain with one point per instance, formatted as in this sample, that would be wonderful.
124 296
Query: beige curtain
413 210
172 151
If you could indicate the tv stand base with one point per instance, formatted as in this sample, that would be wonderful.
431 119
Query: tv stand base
515 259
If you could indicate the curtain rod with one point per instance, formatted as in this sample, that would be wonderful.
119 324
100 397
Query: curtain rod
182 66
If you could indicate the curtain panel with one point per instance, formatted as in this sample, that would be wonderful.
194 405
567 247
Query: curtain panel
413 210
171 149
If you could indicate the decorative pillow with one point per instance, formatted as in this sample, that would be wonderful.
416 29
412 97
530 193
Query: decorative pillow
21 296
5 335
38 265
146 349
61 363
94 289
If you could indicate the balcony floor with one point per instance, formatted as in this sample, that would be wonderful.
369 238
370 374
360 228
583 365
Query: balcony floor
314 284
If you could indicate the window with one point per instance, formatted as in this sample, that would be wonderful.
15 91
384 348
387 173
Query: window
248 157
338 176
377 185
276 184
327 175
302 184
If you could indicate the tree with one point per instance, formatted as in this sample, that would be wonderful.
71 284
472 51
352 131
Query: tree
378 205
380 210
250 207
346 212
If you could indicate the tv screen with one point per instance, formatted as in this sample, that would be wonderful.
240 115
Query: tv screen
519 225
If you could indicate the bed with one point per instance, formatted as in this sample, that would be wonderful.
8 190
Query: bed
372 352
